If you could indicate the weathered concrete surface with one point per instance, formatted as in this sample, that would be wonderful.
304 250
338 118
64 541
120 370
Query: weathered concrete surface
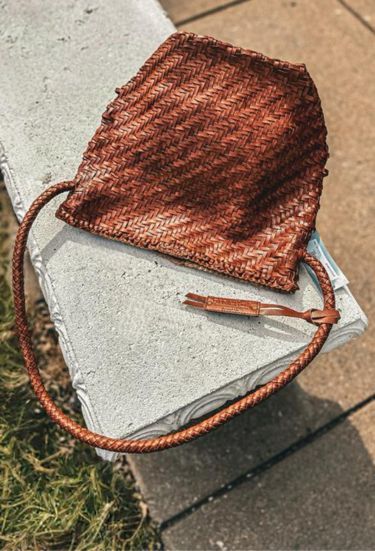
320 497
137 357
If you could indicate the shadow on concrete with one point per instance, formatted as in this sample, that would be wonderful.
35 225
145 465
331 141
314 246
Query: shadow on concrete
319 497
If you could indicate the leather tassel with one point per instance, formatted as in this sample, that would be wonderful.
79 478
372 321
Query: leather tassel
256 308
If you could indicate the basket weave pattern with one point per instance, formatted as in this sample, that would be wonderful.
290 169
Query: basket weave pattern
212 154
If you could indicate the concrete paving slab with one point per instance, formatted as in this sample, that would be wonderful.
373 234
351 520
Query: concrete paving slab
176 479
126 337
320 497
345 377
179 10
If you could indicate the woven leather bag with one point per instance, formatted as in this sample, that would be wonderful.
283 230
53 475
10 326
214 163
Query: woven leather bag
214 155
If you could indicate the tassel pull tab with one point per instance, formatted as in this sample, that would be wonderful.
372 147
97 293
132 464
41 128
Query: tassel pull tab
255 308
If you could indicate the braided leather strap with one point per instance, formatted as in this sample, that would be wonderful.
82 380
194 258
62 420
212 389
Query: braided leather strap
173 439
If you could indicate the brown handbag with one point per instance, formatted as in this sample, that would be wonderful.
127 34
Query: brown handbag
214 155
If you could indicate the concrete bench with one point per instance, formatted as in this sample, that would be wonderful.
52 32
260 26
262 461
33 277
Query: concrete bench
140 362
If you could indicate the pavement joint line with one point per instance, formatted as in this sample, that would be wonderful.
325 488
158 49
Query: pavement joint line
265 466
357 15
233 3
209 12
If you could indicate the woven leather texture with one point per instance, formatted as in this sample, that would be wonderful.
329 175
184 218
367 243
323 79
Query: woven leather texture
213 154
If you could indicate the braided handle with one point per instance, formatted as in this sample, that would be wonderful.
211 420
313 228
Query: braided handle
173 439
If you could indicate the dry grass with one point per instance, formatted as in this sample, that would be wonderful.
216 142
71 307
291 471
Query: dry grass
55 493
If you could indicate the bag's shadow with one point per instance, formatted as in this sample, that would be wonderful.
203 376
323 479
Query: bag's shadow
318 494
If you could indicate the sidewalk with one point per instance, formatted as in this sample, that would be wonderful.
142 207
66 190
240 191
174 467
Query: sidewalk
297 472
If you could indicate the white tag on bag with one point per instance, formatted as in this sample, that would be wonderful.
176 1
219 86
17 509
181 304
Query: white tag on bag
317 248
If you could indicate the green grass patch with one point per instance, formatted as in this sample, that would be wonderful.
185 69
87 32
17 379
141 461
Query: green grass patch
54 492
